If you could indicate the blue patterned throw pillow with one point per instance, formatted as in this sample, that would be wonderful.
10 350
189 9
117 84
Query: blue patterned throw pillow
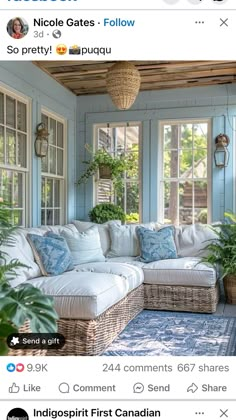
156 245
51 253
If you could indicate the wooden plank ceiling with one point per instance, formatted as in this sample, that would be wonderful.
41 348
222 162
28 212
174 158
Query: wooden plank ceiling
88 77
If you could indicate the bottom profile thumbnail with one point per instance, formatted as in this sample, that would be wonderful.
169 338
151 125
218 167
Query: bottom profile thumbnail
17 413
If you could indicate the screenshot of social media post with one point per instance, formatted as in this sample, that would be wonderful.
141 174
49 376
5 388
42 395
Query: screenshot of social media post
117 209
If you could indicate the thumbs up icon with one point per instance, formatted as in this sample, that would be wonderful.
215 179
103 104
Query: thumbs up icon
14 389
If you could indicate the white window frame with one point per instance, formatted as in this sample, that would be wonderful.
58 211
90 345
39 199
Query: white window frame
160 162
95 147
63 187
26 199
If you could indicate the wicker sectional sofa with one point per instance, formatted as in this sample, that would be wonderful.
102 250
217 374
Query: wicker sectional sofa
96 300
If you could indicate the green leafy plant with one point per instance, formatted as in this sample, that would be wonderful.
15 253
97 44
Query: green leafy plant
222 250
24 302
117 165
104 212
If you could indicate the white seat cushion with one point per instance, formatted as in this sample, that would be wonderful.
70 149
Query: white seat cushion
179 272
83 295
133 275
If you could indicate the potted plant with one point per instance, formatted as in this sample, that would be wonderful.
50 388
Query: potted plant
104 212
23 303
109 167
222 254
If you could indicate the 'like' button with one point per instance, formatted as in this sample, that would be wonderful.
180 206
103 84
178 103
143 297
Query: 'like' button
14 389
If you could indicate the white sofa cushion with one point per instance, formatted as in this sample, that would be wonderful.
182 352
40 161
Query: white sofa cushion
133 274
86 295
191 239
180 272
103 230
84 246
124 240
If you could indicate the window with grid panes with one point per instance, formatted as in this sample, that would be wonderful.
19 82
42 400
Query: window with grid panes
117 139
185 176
13 155
53 173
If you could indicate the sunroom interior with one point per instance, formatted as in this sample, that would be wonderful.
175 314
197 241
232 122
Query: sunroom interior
171 128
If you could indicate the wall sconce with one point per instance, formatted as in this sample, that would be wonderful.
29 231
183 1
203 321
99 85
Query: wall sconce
221 153
41 142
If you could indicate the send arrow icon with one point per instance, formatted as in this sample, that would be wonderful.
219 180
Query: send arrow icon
192 388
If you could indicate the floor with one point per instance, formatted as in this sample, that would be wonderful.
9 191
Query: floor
224 309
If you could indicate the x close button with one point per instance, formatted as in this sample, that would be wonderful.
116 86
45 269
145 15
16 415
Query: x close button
224 414
224 22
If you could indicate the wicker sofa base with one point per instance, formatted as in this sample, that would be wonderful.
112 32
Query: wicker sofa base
181 298
92 337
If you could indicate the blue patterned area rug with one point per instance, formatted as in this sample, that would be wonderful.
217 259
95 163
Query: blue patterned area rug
154 333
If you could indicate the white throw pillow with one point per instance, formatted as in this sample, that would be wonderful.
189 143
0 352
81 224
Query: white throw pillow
103 230
191 240
124 241
85 246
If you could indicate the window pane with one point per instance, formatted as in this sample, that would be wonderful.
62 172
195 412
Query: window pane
22 150
132 199
60 142
200 163
45 120
171 194
57 193
11 112
56 217
119 139
52 131
52 160
1 108
49 193
132 138
185 202
17 217
43 192
171 164
21 116
17 190
105 138
43 215
167 136
104 192
2 152
133 172
11 147
49 217
44 164
6 185
185 164
200 133
186 136
59 162
200 201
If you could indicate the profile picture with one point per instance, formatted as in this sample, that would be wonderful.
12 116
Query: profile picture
17 413
17 28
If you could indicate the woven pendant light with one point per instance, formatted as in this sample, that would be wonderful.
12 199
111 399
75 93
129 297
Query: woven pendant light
123 83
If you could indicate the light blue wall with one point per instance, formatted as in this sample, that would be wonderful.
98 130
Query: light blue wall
215 102
43 91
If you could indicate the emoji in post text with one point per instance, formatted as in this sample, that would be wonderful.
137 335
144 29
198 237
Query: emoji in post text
61 49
